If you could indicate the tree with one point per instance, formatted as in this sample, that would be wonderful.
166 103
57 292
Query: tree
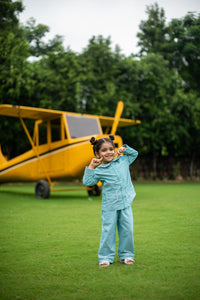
17 75
8 15
156 86
178 42
127 85
56 81
182 49
34 35
153 31
13 52
179 45
185 109
99 67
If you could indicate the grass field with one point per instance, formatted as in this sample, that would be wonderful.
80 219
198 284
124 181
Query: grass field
48 248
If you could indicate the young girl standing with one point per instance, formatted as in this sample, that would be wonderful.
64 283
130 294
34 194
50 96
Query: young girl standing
117 196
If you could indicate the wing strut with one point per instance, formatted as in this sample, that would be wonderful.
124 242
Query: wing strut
36 152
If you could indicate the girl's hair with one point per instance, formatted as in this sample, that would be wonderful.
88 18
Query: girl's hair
97 143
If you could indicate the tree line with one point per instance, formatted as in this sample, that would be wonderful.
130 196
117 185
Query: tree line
159 85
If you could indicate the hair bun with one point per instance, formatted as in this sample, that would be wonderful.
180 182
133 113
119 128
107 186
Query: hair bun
93 141
111 137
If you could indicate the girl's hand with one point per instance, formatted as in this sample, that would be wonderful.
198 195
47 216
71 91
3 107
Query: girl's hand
120 151
95 162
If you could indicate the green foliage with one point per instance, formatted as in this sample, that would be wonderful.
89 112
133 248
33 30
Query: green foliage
186 111
153 30
57 82
156 84
99 68
34 34
8 15
183 48
178 42
13 53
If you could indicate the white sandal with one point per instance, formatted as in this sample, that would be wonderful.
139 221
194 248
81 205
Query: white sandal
104 263
127 261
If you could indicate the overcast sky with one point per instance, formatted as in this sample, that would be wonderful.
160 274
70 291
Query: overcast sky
78 20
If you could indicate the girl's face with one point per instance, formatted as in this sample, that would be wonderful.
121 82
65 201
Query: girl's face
107 151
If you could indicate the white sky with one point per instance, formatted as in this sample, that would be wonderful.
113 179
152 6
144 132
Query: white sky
78 20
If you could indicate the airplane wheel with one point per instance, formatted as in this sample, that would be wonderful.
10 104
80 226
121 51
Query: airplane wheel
96 191
42 189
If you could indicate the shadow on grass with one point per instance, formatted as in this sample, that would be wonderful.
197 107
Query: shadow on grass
67 195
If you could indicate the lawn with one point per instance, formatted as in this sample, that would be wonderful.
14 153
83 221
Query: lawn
48 248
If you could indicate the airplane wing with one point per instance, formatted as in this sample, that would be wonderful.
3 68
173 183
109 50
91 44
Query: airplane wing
108 122
28 112
43 114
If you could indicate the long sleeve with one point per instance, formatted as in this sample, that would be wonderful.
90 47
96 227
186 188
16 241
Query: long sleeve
89 177
130 153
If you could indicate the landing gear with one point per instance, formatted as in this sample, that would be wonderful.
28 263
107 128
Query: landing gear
42 189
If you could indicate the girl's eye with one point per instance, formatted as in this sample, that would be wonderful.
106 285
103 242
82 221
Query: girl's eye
104 150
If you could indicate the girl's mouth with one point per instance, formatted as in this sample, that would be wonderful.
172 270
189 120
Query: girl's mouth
109 156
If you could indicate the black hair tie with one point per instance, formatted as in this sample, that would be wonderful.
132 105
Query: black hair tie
111 137
93 141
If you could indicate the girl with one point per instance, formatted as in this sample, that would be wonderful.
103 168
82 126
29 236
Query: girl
117 196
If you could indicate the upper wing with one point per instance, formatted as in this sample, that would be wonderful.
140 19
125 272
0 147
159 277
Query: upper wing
28 112
108 122
43 114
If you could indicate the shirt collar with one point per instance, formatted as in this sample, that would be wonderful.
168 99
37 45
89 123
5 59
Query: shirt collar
108 164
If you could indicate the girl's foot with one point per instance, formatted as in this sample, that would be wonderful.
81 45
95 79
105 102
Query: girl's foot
127 261
104 263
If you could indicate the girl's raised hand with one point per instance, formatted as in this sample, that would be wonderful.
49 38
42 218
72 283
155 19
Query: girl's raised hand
120 151
95 162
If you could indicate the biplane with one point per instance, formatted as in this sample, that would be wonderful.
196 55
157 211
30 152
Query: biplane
59 146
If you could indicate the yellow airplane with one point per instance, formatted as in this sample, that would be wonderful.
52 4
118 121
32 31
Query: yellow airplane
60 146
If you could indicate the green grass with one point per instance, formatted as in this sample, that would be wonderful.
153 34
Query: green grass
48 248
